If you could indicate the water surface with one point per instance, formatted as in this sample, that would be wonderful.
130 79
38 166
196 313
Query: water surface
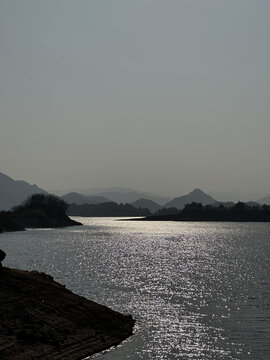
198 290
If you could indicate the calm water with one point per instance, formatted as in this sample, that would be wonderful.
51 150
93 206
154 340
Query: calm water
197 290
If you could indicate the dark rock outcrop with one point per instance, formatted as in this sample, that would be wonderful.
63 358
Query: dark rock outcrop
41 319
2 256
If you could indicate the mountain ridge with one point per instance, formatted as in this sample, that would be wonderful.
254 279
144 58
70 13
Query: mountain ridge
118 194
197 196
14 192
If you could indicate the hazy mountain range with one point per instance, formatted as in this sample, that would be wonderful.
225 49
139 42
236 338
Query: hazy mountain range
14 192
196 195
80 199
120 194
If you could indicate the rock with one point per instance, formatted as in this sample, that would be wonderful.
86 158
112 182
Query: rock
40 319
2 256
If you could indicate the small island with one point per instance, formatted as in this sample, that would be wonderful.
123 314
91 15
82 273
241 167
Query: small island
41 319
38 211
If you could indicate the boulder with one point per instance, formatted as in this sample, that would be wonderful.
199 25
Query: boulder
2 256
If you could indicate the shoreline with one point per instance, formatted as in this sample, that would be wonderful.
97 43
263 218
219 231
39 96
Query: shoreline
41 319
10 222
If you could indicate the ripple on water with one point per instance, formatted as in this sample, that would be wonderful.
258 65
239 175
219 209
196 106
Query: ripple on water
197 290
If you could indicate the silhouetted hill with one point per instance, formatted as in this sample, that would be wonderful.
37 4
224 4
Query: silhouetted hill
106 209
196 195
14 192
146 203
80 199
38 211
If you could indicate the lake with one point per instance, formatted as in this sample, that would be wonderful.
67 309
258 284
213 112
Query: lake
198 290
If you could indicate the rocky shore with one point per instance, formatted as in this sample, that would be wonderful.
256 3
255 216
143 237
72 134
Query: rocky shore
40 319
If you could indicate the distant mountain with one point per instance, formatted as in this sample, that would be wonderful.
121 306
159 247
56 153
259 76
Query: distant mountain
265 200
80 199
14 192
121 195
146 203
196 195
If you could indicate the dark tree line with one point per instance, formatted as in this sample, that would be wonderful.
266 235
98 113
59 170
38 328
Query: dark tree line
198 212
106 209
49 204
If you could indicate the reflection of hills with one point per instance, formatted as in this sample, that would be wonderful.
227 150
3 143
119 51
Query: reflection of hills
197 196
14 192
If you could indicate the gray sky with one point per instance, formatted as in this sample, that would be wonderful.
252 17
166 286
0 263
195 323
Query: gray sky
161 96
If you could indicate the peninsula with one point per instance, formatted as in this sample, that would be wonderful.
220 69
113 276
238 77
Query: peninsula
41 319
38 211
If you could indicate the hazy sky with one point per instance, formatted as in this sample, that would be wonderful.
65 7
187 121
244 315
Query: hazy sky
161 96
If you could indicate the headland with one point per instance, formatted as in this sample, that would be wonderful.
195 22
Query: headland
41 319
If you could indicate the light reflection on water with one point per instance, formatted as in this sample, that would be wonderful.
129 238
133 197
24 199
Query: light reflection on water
197 290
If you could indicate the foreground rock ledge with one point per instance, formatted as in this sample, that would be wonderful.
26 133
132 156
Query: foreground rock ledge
41 319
